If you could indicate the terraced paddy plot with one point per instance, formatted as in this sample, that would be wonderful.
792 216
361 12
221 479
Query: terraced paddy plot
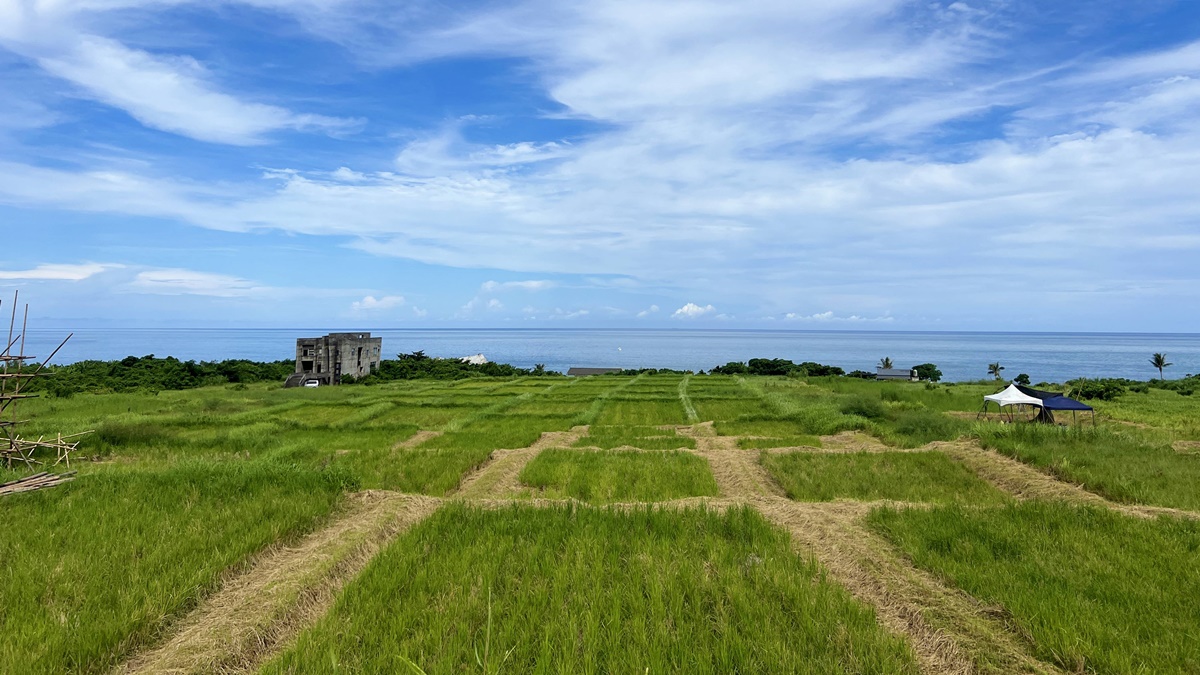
722 409
1095 591
94 568
1119 466
428 471
427 416
641 411
902 476
581 590
643 437
607 476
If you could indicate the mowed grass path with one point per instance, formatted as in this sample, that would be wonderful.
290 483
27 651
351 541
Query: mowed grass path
901 476
619 476
1095 590
587 590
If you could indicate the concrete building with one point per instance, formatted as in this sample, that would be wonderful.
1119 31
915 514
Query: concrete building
325 360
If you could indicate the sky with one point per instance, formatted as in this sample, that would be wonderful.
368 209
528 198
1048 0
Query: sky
826 164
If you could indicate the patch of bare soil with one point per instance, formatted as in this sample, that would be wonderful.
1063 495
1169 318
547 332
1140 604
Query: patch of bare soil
501 476
950 632
1026 482
416 439
257 612
853 441
1187 447
737 472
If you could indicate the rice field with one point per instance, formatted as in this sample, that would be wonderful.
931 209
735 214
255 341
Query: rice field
180 492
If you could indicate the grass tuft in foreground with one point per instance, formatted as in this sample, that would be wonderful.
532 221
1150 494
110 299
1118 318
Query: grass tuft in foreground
1096 591
901 476
618 476
586 590
94 568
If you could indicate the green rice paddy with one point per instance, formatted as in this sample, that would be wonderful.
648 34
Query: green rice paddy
179 490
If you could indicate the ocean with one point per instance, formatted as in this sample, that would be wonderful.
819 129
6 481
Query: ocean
1049 357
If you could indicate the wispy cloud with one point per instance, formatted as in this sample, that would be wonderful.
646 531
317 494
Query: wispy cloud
192 282
58 272
371 303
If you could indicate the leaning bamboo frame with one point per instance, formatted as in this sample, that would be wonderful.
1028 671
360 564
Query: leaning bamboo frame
13 379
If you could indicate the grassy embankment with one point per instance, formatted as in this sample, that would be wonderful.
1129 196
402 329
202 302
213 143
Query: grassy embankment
910 476
589 590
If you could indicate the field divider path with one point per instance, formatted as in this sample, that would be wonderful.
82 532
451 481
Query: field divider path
686 400
950 632
284 589
416 439
501 476
738 473
1027 482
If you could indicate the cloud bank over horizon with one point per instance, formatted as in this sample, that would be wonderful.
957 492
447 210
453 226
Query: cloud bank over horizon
869 164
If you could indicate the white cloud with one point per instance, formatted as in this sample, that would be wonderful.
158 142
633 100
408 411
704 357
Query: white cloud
830 317
531 285
173 93
692 311
57 272
370 303
191 282
652 309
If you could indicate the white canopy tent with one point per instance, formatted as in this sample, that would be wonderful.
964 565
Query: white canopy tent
1012 396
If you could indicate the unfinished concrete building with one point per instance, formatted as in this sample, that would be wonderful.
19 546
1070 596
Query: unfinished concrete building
326 360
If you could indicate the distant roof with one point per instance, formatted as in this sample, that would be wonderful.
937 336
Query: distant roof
894 372
582 372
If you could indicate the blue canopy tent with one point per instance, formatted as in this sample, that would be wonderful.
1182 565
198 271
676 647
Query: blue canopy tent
1052 401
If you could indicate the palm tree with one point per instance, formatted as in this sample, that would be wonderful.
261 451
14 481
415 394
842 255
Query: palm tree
994 369
885 363
1159 361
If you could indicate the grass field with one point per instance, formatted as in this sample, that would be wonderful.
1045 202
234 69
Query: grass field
94 568
615 476
1096 591
902 476
583 590
186 487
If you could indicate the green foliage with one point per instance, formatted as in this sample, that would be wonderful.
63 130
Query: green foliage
1105 389
928 371
1096 591
418 366
777 367
151 373
580 590
903 476
608 476
1022 379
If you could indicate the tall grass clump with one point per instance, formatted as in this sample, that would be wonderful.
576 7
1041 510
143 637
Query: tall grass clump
587 590
619 476
96 568
1096 591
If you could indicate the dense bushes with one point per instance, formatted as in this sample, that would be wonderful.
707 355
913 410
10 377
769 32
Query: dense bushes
149 372
418 366
777 367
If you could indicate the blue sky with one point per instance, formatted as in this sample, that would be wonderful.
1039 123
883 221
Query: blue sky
867 164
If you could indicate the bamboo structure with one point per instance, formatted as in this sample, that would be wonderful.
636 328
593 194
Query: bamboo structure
14 381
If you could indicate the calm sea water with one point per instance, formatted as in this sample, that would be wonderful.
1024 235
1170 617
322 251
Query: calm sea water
1052 357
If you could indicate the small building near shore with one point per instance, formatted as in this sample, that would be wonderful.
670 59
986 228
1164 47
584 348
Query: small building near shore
584 372
326 360
896 374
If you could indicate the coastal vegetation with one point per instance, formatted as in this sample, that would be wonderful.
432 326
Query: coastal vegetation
179 491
